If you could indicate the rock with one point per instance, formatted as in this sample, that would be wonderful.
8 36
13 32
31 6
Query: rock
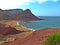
8 30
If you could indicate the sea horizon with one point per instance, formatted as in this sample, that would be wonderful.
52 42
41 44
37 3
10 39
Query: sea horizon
48 22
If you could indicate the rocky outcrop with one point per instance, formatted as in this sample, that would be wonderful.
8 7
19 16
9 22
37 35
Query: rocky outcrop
8 30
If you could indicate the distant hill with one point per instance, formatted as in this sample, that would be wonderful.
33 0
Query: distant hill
17 14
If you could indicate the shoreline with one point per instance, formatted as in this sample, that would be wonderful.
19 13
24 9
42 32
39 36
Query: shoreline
25 27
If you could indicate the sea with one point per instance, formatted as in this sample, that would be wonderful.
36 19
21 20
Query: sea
48 22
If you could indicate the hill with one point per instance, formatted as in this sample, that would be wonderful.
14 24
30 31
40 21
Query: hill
27 15
17 14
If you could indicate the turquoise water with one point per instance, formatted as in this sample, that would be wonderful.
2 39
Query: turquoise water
49 22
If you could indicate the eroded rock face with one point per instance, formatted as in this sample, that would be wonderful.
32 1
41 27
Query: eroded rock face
7 30
7 33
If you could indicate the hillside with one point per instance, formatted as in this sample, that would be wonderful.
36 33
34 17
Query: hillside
27 15
17 14
4 16
9 33
36 38
12 12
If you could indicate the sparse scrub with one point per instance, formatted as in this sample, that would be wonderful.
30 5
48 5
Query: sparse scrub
53 39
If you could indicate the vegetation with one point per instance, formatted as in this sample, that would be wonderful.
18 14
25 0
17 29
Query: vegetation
53 39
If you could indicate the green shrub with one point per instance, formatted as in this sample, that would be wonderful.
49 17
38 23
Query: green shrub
53 39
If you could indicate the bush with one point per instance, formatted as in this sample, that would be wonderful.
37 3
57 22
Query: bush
53 39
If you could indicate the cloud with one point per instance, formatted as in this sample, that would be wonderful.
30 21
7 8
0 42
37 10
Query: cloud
11 4
42 1
55 0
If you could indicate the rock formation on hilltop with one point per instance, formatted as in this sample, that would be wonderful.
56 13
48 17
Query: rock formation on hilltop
17 14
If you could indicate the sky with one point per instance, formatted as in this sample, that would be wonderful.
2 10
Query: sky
37 7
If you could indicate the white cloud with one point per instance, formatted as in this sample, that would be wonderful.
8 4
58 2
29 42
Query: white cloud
55 0
10 4
42 1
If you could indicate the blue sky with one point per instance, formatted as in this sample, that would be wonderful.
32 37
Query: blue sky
37 7
44 9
